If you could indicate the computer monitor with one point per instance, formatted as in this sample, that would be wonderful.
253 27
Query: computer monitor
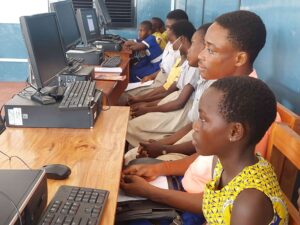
88 25
67 23
102 12
44 46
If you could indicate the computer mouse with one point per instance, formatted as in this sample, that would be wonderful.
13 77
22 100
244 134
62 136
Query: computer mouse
57 171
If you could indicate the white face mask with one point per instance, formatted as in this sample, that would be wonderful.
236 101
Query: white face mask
174 43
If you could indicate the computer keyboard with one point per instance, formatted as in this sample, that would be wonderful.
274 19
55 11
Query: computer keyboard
73 60
75 206
113 61
85 48
79 95
76 66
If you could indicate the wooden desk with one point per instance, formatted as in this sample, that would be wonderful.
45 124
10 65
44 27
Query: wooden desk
94 155
114 89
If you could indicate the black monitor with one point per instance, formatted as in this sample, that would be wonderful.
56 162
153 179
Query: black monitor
88 25
44 46
103 15
67 23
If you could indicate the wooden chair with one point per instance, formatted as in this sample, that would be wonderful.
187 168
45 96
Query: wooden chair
289 117
283 140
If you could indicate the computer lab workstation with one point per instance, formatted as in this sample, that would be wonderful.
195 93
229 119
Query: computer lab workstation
64 143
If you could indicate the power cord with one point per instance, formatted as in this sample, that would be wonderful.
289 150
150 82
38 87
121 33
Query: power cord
14 205
15 156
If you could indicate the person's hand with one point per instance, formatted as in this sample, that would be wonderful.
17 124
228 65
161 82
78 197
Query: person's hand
135 185
147 171
138 110
142 152
146 78
152 149
132 100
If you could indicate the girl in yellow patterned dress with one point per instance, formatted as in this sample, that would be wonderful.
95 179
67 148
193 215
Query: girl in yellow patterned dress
235 112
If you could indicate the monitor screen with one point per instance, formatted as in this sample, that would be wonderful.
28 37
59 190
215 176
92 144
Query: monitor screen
103 15
88 25
67 23
44 46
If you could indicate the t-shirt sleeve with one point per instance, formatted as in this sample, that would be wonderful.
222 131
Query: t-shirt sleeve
149 41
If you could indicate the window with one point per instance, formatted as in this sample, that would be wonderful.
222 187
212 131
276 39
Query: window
122 13
82 4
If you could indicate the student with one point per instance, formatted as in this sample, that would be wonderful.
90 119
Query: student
231 48
182 32
184 87
147 53
169 57
187 83
158 28
234 114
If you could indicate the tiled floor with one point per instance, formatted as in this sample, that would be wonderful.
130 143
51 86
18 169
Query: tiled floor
8 89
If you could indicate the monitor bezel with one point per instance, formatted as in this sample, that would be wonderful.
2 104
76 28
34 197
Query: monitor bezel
100 7
53 7
38 84
79 16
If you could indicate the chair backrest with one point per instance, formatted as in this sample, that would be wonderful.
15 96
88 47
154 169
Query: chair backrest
285 141
289 117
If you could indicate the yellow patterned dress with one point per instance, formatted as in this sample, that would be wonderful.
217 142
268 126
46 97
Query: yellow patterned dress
217 204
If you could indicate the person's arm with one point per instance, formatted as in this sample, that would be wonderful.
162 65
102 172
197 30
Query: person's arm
175 104
135 46
155 149
136 185
173 138
157 93
150 77
245 209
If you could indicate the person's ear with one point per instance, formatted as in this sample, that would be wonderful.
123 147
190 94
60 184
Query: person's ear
241 58
237 132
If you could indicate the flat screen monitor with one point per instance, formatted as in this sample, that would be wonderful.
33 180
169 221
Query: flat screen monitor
44 46
67 23
103 14
88 25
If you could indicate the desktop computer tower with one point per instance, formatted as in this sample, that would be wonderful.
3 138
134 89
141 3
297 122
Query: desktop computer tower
21 111
27 189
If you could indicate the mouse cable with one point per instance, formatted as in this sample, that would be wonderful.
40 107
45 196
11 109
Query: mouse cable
14 156
108 103
14 205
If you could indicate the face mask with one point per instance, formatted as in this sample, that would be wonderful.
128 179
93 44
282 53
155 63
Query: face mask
174 44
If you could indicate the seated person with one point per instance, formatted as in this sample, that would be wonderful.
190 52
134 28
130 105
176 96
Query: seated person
231 134
175 106
183 31
226 34
147 56
158 27
169 57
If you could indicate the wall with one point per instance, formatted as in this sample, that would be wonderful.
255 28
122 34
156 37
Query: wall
276 64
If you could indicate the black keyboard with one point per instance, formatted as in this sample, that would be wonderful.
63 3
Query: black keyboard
75 67
75 206
79 95
113 61
85 48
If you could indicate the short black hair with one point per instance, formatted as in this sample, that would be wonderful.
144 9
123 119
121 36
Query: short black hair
249 101
147 24
183 28
160 22
177 14
204 27
246 31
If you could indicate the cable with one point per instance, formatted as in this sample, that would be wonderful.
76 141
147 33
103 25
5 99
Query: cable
14 156
14 205
108 103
